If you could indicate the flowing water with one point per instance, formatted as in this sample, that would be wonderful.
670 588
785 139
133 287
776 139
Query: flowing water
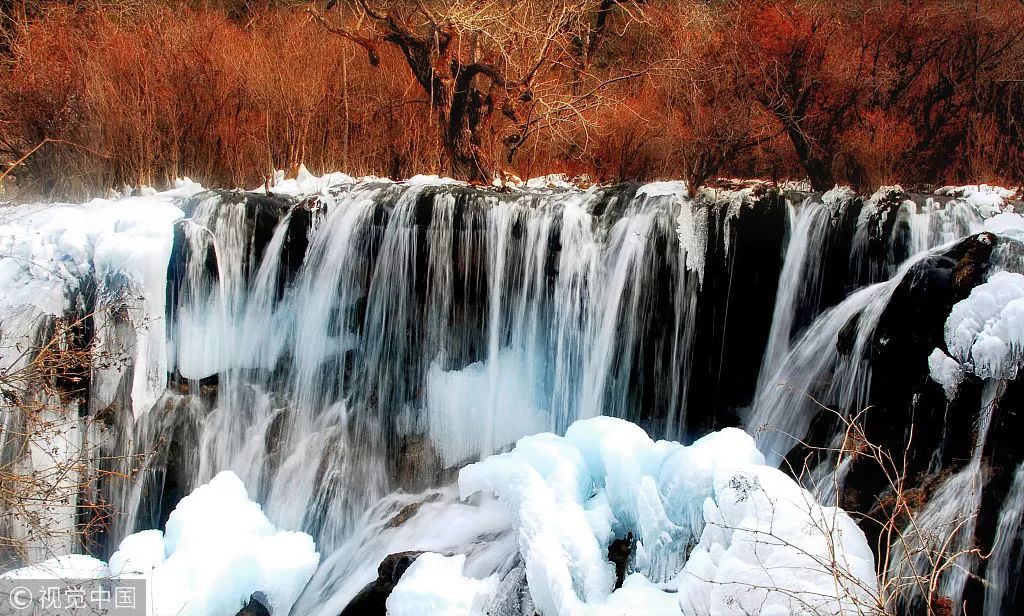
343 352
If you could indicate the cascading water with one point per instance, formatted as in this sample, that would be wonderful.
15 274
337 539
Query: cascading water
1003 566
415 312
345 349
829 362
942 533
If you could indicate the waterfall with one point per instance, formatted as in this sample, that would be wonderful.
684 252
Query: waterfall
804 366
942 533
818 374
1000 568
800 282
346 349
414 313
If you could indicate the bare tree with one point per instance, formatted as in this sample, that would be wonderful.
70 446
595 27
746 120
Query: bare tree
495 73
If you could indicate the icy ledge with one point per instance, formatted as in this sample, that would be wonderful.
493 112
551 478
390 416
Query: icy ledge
756 542
984 334
218 550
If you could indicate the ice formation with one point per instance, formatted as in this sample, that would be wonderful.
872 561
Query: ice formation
52 253
460 398
219 549
572 496
435 584
985 332
945 371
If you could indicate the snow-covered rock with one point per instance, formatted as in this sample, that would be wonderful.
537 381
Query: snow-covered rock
985 332
48 253
572 496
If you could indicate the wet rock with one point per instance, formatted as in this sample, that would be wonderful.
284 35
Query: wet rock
256 606
848 335
971 269
882 222
418 464
620 552
404 515
372 599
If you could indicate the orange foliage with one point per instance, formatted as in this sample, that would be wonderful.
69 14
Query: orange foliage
863 92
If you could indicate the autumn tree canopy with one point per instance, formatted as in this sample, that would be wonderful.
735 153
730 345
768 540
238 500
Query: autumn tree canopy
865 92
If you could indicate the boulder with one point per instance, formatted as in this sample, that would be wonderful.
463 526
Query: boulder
372 599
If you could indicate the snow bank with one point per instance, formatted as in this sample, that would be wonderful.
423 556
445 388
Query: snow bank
433 180
1007 223
218 550
69 567
557 180
662 189
985 332
572 496
305 183
987 199
435 584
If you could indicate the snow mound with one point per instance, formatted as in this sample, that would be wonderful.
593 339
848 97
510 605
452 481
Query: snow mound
985 332
435 584
218 550
768 548
572 496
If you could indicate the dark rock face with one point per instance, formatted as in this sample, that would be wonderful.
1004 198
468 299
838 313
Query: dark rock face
372 600
910 413
256 606
911 326
620 552
734 310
